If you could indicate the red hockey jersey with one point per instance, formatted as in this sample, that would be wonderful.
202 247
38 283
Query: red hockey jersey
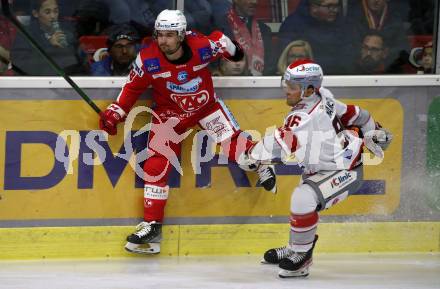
183 89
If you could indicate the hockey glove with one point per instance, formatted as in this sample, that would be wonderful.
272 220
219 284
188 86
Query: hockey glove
384 138
378 140
110 118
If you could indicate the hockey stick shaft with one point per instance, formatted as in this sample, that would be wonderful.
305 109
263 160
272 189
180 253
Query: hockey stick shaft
7 12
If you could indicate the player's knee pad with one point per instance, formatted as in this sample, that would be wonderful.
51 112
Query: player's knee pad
331 187
304 200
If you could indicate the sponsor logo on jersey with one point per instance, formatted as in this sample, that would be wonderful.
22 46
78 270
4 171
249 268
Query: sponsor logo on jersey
205 54
191 102
341 181
162 75
189 87
182 76
348 153
152 65
200 66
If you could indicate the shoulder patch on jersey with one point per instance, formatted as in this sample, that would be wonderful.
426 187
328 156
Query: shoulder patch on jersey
137 66
329 106
152 65
205 54
165 74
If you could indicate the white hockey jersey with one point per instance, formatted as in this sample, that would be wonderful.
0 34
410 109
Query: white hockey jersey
314 132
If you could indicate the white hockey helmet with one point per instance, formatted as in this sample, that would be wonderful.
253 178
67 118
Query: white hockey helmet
304 72
172 20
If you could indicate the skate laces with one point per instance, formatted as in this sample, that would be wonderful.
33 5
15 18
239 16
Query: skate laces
265 173
297 257
283 252
143 229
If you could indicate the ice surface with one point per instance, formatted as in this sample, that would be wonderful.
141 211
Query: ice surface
330 271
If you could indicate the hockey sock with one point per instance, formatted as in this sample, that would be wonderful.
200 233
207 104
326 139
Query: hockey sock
302 231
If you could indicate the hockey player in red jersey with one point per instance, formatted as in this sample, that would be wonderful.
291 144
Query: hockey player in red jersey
313 132
176 66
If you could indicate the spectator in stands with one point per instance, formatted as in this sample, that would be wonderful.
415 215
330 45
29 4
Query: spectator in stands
4 61
297 49
421 58
7 36
254 36
231 68
320 23
389 18
373 57
427 63
55 39
121 46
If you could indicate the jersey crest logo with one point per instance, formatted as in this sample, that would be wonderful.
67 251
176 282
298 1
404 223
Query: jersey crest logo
205 54
152 65
182 76
191 102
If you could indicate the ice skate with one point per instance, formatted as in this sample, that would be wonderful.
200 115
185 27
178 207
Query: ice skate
267 178
146 239
297 264
275 255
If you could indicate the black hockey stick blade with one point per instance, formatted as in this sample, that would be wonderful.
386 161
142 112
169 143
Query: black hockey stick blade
7 12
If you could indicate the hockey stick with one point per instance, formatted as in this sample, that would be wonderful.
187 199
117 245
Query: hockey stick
7 12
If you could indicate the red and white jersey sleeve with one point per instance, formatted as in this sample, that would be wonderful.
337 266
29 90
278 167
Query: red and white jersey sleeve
223 44
137 82
349 114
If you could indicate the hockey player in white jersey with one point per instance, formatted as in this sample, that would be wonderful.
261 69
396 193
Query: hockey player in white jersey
315 133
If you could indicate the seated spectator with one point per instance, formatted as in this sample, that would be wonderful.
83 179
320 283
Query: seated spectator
321 24
4 61
254 36
295 50
231 68
421 58
55 39
389 18
373 57
121 46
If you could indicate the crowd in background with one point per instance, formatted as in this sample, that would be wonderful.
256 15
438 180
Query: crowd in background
347 37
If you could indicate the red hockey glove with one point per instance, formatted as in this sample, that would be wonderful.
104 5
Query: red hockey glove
110 118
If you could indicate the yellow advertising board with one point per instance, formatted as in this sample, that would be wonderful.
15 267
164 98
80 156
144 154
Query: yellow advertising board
35 185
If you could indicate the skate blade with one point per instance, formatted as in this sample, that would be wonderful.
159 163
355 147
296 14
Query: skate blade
294 274
274 190
147 249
